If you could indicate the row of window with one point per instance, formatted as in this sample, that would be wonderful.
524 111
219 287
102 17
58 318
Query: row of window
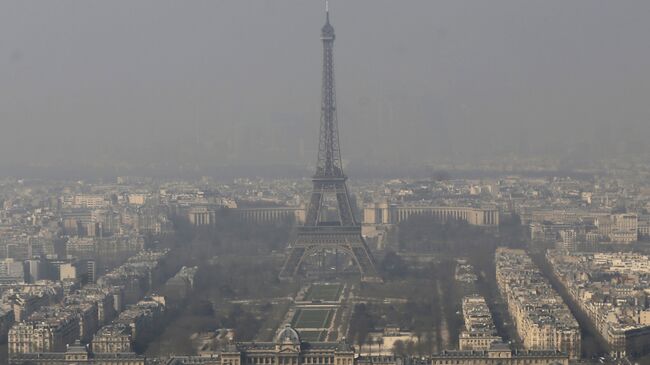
319 360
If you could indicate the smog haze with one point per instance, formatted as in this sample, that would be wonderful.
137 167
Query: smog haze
132 84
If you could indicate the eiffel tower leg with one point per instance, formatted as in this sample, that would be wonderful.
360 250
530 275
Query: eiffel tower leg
292 264
345 209
313 212
350 251
364 261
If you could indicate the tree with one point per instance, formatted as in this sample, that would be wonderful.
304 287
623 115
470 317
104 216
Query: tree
399 349
428 345
410 348
361 323
393 266
417 331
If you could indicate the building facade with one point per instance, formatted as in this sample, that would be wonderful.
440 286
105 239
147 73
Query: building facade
77 354
499 354
384 213
542 319
113 338
287 349
479 332
202 215
270 215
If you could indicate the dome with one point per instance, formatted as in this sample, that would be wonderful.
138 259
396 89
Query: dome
288 335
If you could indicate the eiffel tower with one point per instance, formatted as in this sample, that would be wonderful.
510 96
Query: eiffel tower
318 234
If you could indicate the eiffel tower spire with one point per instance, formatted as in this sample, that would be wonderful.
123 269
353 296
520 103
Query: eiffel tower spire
329 150
319 233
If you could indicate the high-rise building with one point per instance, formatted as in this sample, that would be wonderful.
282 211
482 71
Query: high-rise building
91 271
12 271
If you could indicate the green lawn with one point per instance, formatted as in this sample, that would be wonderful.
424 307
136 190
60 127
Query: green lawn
312 318
325 292
313 336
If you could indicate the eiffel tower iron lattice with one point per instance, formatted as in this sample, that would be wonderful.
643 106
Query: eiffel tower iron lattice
318 234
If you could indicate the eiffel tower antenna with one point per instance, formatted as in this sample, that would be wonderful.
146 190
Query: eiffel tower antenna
320 233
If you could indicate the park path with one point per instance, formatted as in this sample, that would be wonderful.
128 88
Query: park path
444 329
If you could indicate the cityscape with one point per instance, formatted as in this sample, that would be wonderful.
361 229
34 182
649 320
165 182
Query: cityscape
526 259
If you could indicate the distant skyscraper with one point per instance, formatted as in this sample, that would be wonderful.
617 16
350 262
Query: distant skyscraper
91 271
33 270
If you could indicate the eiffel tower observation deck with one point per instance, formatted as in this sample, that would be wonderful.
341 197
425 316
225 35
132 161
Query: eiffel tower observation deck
324 233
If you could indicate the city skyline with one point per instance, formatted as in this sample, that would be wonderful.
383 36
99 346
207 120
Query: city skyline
164 198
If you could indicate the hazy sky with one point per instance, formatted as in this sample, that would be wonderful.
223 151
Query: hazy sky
232 82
